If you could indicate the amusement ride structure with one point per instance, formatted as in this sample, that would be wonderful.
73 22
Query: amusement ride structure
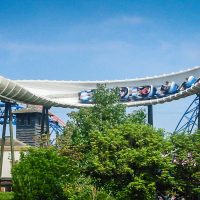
76 94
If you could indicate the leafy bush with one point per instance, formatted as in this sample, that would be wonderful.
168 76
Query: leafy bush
186 157
130 160
83 189
6 195
41 174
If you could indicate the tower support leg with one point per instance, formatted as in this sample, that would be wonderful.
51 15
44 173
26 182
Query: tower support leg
11 134
42 120
3 137
7 116
47 125
150 115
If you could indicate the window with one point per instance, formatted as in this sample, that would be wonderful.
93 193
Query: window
39 120
21 121
28 120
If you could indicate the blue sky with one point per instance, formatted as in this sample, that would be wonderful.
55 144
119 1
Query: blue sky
100 40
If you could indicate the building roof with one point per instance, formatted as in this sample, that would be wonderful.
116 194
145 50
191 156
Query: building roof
18 145
28 110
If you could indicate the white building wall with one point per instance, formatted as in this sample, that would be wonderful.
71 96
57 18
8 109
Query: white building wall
6 170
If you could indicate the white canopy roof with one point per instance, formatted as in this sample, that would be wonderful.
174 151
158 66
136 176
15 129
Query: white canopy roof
65 93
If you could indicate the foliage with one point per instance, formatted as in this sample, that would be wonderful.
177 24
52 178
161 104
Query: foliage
6 195
138 117
131 160
83 189
41 174
186 151
106 112
118 151
108 154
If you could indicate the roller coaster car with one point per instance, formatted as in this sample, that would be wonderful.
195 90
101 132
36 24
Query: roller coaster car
124 94
191 81
173 88
143 92
166 90
86 96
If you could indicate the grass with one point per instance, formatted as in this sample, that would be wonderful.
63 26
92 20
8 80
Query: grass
6 195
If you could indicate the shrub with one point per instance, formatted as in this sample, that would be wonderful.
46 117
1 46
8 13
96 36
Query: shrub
41 175
187 161
6 195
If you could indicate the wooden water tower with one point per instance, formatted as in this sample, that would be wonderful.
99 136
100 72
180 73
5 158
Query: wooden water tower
28 125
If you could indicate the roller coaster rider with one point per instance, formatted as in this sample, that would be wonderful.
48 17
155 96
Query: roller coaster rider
165 88
183 86
144 91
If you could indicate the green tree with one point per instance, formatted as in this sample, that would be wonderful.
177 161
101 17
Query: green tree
118 151
6 195
186 152
131 160
41 175
106 112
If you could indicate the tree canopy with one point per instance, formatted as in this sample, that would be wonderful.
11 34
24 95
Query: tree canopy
120 152
106 153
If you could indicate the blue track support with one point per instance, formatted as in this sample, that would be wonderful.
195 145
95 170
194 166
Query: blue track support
2 109
189 119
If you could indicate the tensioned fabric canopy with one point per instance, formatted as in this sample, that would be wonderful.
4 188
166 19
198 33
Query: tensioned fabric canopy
65 93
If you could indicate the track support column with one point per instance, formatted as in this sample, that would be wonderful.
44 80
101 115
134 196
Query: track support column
43 120
11 134
47 125
150 115
7 116
198 125
3 137
45 136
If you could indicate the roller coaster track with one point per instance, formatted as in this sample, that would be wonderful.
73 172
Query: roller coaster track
65 93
